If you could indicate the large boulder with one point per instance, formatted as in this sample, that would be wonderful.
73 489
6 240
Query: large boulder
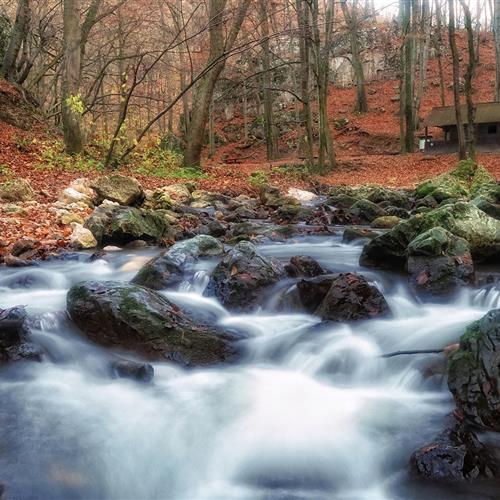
242 275
462 219
16 191
474 372
119 188
455 455
167 268
439 262
121 225
131 317
341 297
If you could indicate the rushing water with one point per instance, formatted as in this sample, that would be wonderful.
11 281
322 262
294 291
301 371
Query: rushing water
313 412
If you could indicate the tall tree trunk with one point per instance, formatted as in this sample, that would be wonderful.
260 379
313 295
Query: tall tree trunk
18 35
303 19
407 97
439 49
456 80
326 155
269 128
496 31
469 77
351 19
425 28
219 48
71 98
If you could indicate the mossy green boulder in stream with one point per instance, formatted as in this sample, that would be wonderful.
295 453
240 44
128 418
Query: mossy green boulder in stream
439 262
167 268
462 219
474 372
121 225
134 318
466 181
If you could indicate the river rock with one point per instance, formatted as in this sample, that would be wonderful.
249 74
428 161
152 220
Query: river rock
301 195
14 337
242 275
461 219
131 317
385 222
82 238
119 188
455 455
439 262
355 233
16 191
474 372
124 368
121 225
305 266
70 195
23 246
167 268
366 211
351 297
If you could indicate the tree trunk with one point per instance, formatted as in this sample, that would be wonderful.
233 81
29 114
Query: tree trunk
496 31
18 35
439 49
424 56
456 80
407 96
351 19
203 94
469 77
269 128
326 155
71 98
303 19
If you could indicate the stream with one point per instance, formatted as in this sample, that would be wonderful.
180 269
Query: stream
312 412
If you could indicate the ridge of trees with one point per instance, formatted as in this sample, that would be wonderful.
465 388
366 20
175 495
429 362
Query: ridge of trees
122 69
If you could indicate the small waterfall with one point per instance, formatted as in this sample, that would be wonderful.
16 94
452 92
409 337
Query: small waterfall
312 412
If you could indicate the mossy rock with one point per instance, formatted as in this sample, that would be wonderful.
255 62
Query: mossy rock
121 225
366 211
474 372
385 222
16 191
465 220
126 316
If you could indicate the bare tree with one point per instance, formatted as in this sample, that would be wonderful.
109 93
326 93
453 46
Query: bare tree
219 45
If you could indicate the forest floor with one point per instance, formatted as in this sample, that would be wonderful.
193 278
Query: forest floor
366 149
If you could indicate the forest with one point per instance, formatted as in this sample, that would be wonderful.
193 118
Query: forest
249 249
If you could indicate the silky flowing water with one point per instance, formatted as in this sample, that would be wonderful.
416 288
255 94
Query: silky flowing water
312 412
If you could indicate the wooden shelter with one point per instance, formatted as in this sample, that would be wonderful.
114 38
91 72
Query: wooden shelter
487 127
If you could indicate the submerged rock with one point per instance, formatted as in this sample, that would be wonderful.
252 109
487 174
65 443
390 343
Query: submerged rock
14 337
303 265
121 225
242 275
455 455
474 372
118 188
116 314
439 262
167 268
341 297
124 368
